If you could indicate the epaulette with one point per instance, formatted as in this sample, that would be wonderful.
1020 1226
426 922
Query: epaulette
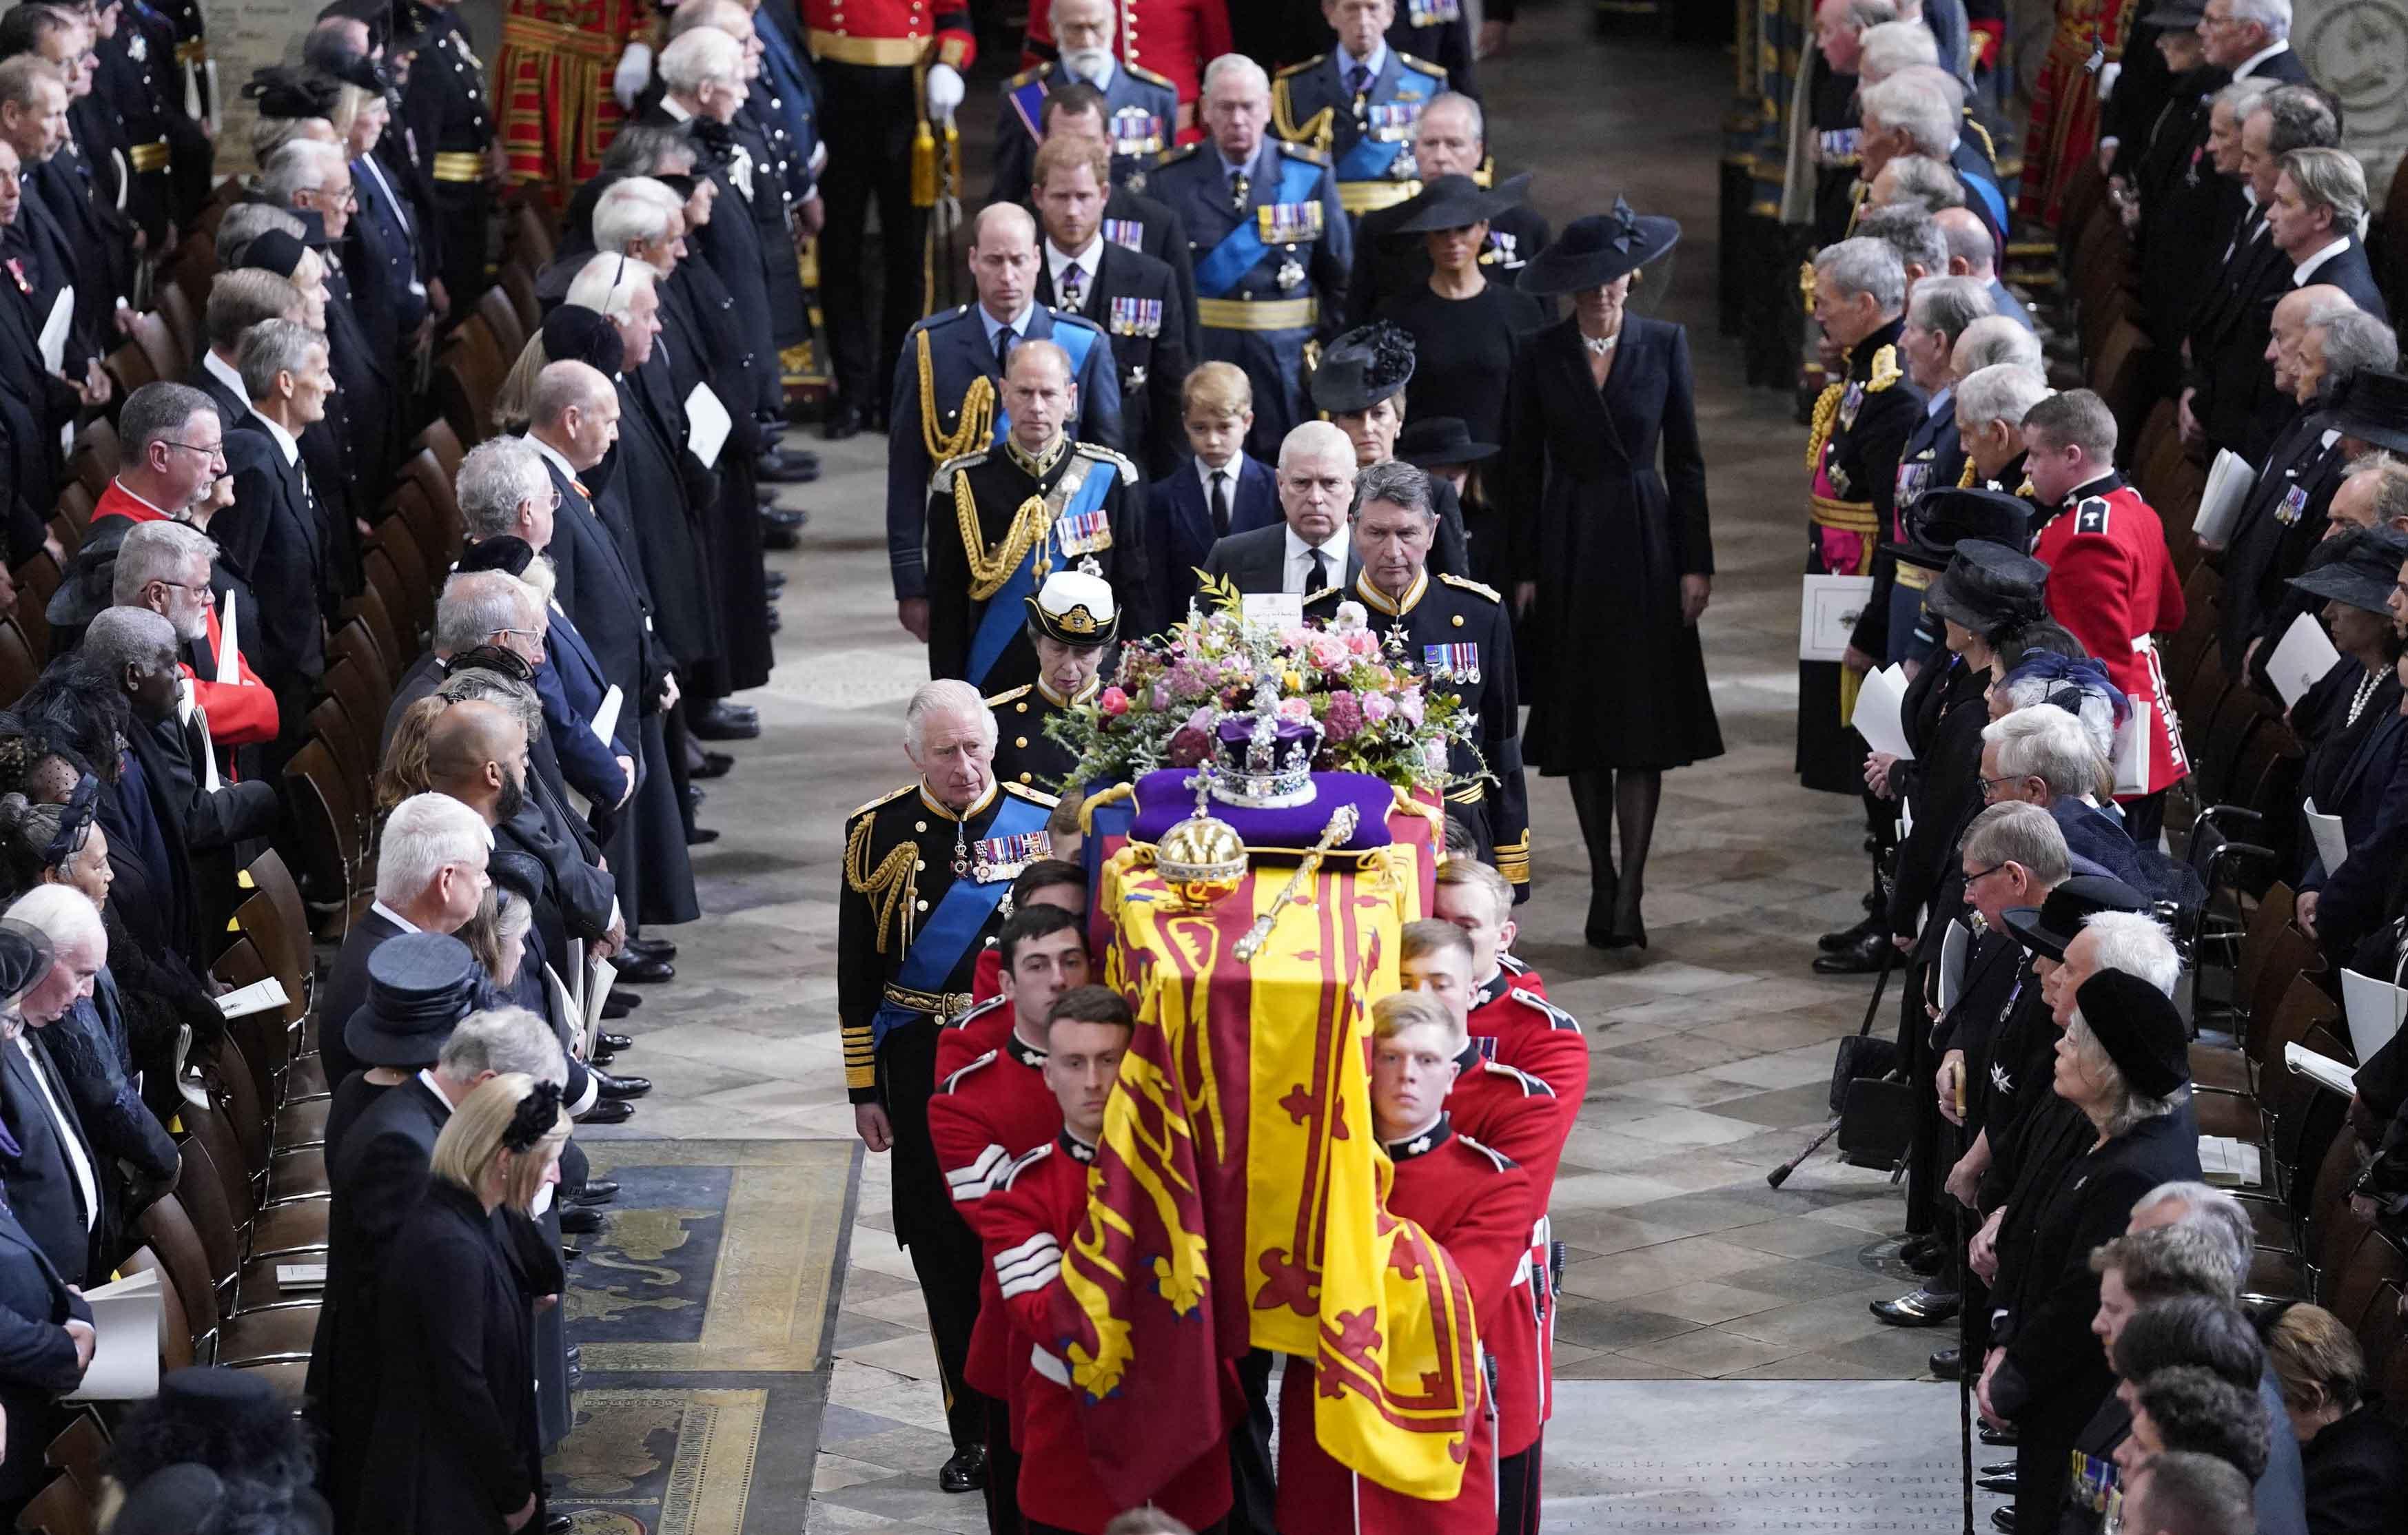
1097 450
1173 156
883 799
1556 1017
1023 1164
1035 796
1884 371
976 1010
1468 584
999 699
1026 76
1421 67
1303 151
1504 1163
1506 962
954 1081
1532 1086
1140 72
967 461
1312 63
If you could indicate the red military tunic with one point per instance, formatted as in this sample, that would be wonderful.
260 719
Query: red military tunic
986 976
1174 38
554 81
2112 584
983 1117
890 32
968 1035
1514 1113
241 712
1473 1202
1037 1208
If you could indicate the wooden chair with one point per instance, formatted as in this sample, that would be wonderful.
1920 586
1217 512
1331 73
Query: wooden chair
268 875
426 475
440 440
493 307
368 610
175 1324
68 533
379 576
17 667
348 683
517 282
352 643
93 457
80 1451
183 319
59 1509
327 827
167 357
76 504
131 366
413 599
330 724
173 1233
530 242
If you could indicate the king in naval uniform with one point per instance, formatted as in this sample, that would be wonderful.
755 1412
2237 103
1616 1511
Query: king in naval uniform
1359 103
1072 618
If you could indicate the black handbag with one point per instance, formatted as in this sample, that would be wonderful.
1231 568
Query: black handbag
1863 1054
1875 1106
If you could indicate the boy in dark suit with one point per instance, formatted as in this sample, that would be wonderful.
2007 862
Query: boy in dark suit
1220 491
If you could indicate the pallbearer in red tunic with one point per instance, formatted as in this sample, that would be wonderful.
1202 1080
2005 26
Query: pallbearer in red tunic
1512 1112
1510 1016
1470 1200
553 79
1027 1222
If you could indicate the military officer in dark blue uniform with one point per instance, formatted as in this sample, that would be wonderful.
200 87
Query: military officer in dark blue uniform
1439 31
1358 103
1272 245
1454 632
450 129
947 399
1141 108
1072 618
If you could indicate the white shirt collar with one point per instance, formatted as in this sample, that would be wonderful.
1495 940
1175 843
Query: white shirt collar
284 440
1018 322
1056 257
1940 400
673 109
2306 269
426 1075
1293 569
1204 472
1347 63
225 373
2248 67
404 923
554 456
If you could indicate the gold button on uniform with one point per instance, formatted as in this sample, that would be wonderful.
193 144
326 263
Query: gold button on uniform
918 863
1021 742
1020 707
919 826
1459 620
922 905
1024 777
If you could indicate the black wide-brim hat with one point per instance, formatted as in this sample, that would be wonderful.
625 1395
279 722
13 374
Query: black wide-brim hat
1949 516
26 956
420 984
2057 921
2363 569
1988 587
1433 442
1595 249
1361 368
1458 202
2373 407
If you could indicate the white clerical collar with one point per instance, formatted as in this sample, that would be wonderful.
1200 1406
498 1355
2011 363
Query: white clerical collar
2306 269
284 440
380 909
2248 67
146 501
1087 256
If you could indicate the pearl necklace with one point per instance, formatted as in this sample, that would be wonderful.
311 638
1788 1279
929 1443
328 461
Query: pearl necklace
2364 696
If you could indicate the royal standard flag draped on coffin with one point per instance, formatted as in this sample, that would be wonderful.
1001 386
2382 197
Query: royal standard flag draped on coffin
1237 1198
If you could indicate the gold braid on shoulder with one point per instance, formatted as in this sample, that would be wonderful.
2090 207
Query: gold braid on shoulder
1826 414
1319 129
978 413
1885 371
1965 481
890 886
990 569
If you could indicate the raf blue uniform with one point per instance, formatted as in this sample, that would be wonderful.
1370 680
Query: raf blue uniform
1141 117
1932 460
1274 252
1367 134
924 431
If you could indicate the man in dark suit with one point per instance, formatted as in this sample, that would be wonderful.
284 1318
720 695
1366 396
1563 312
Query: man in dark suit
54 1183
1128 292
48 1341
430 877
1450 139
2320 201
276 529
1309 550
239 300
1220 491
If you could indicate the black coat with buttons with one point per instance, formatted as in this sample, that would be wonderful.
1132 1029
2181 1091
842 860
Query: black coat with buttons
1024 754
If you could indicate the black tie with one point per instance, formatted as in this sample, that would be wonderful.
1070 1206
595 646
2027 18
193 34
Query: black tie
1320 573
1221 505
1003 340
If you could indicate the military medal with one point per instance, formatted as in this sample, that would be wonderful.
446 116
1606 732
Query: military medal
1430 13
1084 532
1460 662
1503 250
961 850
1290 274
1127 233
1288 224
1391 122
1850 403
1003 857
1135 316
2295 501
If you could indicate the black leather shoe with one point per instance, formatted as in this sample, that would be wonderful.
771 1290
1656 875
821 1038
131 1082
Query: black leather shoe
793 458
558 1523
607 1111
620 1003
2003 1519
714 765
570 1253
1996 1484
1917 1308
772 620
772 468
718 723
791 517
764 497
1862 957
745 712
773 581
601 1058
577 1221
1946 1362
651 948
843 421
614 1042
782 540
966 1472
1845 936
1922 1255
643 972
702 836
1999 1468
596 1191
620 1086
1994 1438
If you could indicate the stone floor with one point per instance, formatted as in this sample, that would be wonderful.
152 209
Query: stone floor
1710 1052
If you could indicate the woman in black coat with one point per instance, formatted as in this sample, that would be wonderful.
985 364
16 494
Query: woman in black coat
2355 1464
457 1445
2124 1061
1612 558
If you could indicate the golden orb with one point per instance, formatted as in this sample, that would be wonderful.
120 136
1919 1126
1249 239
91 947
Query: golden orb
1202 859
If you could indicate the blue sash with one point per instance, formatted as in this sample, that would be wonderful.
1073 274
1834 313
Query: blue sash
1229 262
1992 198
953 929
1029 102
1075 342
1368 160
1005 614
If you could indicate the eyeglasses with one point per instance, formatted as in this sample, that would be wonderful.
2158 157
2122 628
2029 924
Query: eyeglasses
183 585
214 453
1972 880
1989 785
529 634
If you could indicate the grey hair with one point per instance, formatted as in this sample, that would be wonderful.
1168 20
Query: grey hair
638 148
1892 46
2273 15
1461 102
1910 231
1234 66
2329 179
2003 392
1927 117
635 209
425 834
302 165
2047 744
1864 14
475 606
2136 943
943 696
699 57
1948 305
156 410
1861 265
2215 1214
607 283
1395 482
157 552
1917 180
1995 342
2202 1494
2125 1108
245 222
503 1039
2298 117
476 684
1322 437
273 347
2354 342
2022 835
1968 239
129 636
512 917
2390 492
2241 95
496 477
63 914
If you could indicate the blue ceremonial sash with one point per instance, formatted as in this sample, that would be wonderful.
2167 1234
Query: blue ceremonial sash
1029 102
953 928
1992 198
1005 614
1075 342
1236 255
1368 160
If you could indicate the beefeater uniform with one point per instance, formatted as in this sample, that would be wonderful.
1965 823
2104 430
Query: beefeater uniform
2112 583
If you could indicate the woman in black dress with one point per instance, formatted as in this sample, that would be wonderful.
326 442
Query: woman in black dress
1612 558
457 1448
1466 330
